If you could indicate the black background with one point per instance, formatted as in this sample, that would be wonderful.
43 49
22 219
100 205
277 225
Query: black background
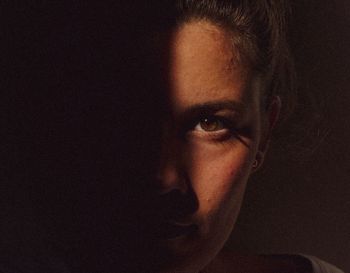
300 200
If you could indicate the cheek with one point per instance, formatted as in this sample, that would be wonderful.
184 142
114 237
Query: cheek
219 171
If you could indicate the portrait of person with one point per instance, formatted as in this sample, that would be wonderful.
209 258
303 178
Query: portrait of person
177 136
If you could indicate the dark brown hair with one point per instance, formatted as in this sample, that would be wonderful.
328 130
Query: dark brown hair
259 29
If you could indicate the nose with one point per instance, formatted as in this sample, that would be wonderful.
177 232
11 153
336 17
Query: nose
171 174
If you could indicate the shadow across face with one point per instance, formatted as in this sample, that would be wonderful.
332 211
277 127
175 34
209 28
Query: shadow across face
87 107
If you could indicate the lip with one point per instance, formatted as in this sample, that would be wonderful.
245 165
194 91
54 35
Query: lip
172 230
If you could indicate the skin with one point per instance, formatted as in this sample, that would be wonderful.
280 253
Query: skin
219 100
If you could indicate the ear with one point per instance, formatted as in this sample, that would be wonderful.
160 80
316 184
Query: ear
268 122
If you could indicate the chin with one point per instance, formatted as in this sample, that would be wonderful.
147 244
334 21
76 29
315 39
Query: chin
184 254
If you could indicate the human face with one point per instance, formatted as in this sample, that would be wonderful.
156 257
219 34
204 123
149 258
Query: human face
211 138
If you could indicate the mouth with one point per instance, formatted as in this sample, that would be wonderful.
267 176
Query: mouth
171 230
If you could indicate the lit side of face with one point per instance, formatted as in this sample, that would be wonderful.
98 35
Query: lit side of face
213 135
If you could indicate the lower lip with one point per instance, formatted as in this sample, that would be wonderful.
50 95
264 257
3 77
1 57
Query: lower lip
170 231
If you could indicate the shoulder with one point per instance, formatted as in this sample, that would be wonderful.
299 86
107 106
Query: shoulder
229 262
320 266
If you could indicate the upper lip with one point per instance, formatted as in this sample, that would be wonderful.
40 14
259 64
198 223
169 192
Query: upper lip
173 229
180 223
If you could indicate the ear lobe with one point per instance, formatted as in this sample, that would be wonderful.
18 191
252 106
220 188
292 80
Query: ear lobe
269 122
259 158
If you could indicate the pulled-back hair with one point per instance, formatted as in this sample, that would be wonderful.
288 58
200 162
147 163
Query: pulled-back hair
259 35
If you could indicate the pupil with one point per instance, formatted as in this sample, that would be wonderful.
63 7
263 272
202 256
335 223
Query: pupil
209 125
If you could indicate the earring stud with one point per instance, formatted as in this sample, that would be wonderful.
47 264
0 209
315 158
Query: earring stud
258 159
255 163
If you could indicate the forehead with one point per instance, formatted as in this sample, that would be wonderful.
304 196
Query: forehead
205 66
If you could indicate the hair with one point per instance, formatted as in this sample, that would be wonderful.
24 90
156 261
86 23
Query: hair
259 33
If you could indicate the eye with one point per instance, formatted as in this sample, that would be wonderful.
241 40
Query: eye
210 124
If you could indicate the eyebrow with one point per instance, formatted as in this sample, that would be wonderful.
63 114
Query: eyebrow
215 106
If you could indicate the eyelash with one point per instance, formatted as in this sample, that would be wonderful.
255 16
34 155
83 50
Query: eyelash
216 121
225 127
